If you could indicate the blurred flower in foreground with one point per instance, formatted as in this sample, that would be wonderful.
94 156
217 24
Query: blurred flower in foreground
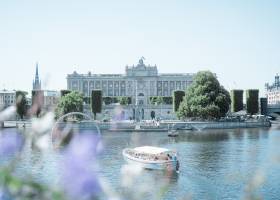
10 142
7 113
129 173
79 176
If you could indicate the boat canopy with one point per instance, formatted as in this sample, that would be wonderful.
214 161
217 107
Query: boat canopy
153 150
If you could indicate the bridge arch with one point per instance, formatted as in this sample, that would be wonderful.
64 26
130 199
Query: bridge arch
76 113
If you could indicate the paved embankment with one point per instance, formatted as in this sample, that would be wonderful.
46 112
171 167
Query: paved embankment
113 126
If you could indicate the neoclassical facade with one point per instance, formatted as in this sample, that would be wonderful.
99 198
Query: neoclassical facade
139 82
272 92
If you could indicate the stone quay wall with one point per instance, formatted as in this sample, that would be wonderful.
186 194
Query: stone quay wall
163 125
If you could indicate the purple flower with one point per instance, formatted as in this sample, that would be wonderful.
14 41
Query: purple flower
79 177
10 142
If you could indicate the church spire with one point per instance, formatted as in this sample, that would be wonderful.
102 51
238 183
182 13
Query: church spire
36 83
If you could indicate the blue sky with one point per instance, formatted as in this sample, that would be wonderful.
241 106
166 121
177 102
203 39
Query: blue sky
237 40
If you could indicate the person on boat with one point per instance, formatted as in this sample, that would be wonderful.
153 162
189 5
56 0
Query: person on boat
169 157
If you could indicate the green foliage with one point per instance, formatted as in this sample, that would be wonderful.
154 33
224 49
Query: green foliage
15 186
236 100
125 100
252 101
71 102
37 98
182 110
153 100
42 113
110 99
167 100
96 101
205 97
160 99
177 96
21 103
64 92
86 100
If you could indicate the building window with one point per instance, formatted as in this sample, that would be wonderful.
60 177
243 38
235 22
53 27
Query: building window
123 85
117 85
110 85
168 112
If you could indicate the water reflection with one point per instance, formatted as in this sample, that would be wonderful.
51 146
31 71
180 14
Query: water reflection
215 164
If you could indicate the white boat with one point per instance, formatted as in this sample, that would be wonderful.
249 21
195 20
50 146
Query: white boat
172 132
151 157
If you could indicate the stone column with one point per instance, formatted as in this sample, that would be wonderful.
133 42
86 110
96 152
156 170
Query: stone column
88 87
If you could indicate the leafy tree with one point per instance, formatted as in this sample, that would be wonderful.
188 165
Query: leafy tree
124 100
153 100
64 92
21 103
177 96
182 110
159 100
96 101
167 99
37 101
236 100
72 102
205 97
252 101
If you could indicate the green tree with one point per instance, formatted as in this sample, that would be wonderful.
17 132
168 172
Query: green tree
125 100
182 110
236 100
64 92
159 100
205 97
96 101
177 97
37 101
167 99
71 102
21 103
153 100
252 101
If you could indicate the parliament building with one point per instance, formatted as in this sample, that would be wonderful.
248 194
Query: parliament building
140 82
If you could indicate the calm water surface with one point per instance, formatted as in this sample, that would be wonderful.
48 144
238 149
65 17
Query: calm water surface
215 164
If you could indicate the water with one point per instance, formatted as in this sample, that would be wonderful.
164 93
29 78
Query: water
215 164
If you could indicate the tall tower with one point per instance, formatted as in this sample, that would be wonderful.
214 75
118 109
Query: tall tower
36 83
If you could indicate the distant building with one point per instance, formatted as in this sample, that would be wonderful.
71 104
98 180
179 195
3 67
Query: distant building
7 98
51 97
272 92
37 83
139 82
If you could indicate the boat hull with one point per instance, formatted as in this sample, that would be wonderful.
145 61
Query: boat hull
159 165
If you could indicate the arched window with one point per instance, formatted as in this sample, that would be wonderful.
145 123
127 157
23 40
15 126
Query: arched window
140 94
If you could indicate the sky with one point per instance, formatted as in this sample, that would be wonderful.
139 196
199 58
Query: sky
236 39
